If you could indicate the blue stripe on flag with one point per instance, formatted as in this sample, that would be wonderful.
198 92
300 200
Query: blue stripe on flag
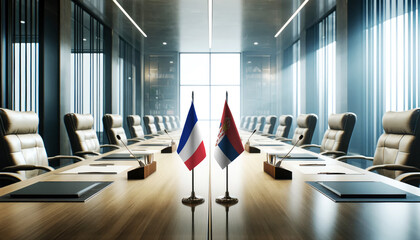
188 127
228 149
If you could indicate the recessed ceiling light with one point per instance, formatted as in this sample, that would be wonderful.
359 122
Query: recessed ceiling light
129 18
165 43
84 39
249 62
255 43
291 18
171 62
22 22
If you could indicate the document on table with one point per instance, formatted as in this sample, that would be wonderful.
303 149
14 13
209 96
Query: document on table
327 170
103 169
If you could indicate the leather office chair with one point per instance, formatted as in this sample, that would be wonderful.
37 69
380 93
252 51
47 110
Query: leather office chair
398 148
149 125
252 124
285 123
160 126
167 123
113 126
242 122
173 122
247 122
306 124
270 123
82 136
135 128
337 138
260 123
177 122
22 151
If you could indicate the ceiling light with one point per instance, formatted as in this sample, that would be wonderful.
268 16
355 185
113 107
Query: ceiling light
165 43
249 62
129 18
291 18
22 22
84 39
210 8
255 43
171 62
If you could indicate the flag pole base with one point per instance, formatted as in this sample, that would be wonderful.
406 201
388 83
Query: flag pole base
227 200
193 200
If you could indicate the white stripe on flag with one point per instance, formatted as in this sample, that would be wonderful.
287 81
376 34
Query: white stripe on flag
220 157
194 140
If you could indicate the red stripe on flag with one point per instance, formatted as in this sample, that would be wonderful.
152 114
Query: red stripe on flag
232 132
197 157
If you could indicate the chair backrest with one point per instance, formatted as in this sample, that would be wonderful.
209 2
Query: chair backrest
81 134
159 123
149 124
247 122
20 142
400 143
270 123
285 123
306 124
167 123
178 124
242 122
253 123
337 137
113 126
134 126
260 123
173 122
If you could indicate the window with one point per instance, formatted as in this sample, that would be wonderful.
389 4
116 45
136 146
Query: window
87 66
291 83
392 60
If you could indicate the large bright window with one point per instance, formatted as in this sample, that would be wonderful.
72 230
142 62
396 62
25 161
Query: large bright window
210 76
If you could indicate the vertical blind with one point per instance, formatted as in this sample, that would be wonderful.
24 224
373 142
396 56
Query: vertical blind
87 66
392 60
23 55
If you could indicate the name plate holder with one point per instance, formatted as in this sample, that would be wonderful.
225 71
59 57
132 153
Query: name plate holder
251 149
276 172
143 172
169 149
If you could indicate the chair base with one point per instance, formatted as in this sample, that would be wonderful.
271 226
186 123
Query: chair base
277 172
142 172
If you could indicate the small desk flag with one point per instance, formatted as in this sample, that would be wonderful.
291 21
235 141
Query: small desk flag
228 144
191 146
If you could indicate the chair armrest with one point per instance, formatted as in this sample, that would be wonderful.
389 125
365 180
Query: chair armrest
110 146
59 157
134 140
310 145
10 177
17 168
343 158
407 177
394 167
336 153
83 153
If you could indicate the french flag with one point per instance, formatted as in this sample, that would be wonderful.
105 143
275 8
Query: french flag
228 144
191 146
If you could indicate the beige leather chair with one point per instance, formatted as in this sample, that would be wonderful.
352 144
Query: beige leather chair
285 123
252 124
270 123
260 123
247 122
22 148
173 122
113 126
135 128
149 124
337 138
167 123
242 122
306 124
83 139
160 126
398 148
177 122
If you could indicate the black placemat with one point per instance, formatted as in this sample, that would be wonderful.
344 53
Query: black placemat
52 191
333 196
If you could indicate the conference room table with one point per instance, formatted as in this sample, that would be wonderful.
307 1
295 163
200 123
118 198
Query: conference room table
152 209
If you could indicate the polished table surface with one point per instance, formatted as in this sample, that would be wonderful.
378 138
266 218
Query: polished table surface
152 208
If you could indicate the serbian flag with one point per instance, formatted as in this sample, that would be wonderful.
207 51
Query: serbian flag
228 144
191 147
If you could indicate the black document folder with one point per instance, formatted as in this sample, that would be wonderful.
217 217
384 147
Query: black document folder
54 190
358 189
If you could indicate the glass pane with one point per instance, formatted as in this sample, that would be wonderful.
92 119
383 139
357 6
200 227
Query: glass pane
194 69
225 69
218 96
201 102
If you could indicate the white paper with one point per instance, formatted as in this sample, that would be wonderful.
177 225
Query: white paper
97 169
326 169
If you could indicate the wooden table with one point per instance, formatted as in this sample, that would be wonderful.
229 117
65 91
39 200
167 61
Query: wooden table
152 208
